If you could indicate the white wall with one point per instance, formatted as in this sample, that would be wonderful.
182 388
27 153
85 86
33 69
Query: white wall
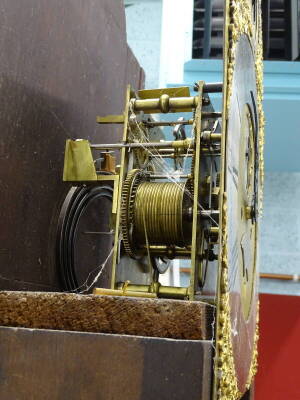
176 40
143 19
160 34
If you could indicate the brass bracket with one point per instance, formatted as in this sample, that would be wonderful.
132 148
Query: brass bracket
79 164
111 119
149 291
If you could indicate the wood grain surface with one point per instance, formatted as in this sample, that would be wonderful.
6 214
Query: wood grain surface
63 62
122 315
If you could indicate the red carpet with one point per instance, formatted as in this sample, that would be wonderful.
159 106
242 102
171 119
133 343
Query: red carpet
279 348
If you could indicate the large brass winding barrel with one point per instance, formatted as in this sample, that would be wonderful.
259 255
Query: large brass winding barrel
158 213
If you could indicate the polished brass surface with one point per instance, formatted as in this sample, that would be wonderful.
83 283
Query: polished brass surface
210 137
183 91
195 198
131 183
165 104
115 292
79 165
122 174
157 218
153 213
247 230
170 252
195 186
151 124
236 334
184 144
155 289
158 212
111 119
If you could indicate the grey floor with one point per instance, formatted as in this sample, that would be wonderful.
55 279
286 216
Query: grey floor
280 231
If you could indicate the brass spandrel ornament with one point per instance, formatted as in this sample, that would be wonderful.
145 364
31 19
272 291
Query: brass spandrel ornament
243 128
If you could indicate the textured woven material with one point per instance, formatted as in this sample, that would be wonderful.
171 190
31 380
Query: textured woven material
122 315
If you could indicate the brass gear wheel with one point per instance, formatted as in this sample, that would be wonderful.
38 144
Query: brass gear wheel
133 179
